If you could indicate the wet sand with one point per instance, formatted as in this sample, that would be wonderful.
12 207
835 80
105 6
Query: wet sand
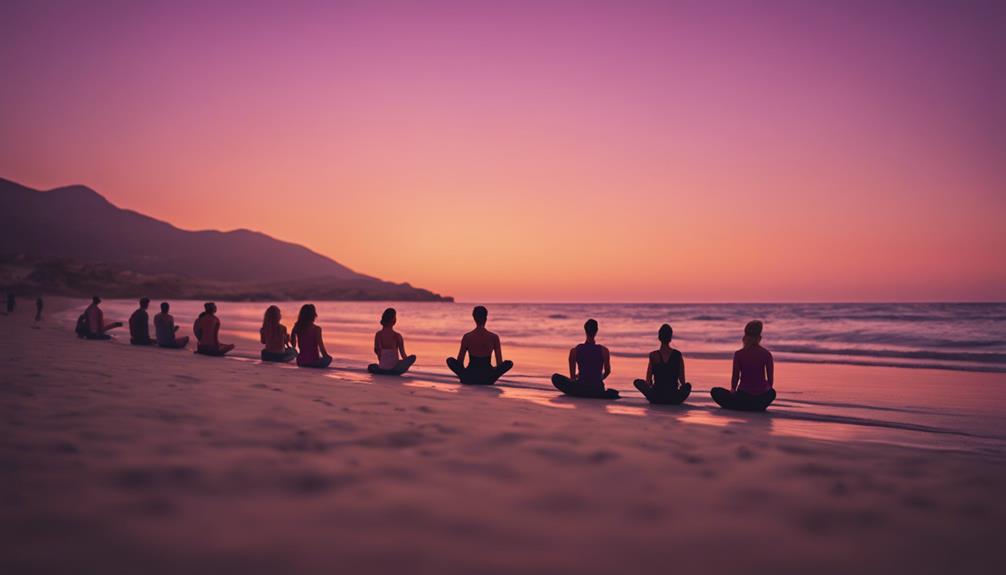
117 459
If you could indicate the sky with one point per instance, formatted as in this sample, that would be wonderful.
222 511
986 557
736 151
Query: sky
548 151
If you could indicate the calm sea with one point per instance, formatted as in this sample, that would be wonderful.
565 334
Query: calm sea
968 337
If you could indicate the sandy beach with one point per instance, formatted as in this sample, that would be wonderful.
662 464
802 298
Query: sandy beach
117 459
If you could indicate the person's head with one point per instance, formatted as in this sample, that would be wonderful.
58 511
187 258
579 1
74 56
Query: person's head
480 314
665 334
95 300
210 307
165 307
144 302
590 327
272 316
307 315
389 317
752 333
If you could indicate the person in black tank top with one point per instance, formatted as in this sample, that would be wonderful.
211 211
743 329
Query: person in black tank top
665 375
589 365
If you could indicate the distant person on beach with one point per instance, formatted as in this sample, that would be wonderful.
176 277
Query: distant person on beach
751 384
139 325
10 302
389 346
480 344
91 324
38 309
274 337
306 337
207 330
665 374
166 330
589 366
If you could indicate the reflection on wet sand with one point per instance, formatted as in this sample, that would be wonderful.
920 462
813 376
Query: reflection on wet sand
535 396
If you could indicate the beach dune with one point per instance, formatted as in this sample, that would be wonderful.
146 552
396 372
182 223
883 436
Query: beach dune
115 459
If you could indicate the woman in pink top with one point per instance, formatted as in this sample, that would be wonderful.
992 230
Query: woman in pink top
306 336
751 384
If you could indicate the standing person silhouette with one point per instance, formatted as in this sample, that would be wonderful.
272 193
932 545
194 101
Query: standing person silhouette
166 330
139 325
589 366
389 346
207 332
665 374
752 381
38 309
481 345
306 336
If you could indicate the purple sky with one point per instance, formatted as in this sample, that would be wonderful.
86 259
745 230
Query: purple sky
756 150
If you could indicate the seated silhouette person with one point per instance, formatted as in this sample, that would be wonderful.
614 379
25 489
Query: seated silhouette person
665 374
207 331
306 336
274 337
91 324
166 330
751 384
139 325
480 344
589 366
389 346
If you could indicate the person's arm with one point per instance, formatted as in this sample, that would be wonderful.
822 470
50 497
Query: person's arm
261 335
736 375
377 345
321 344
681 377
286 337
607 363
401 346
649 371
293 338
99 319
215 331
770 371
572 364
463 350
498 348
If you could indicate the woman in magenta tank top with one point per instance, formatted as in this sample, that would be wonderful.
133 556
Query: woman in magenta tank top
306 337
751 384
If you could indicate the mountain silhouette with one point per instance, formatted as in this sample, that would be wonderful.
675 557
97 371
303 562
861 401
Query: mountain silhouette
77 223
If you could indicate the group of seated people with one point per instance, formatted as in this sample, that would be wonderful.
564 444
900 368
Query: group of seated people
751 384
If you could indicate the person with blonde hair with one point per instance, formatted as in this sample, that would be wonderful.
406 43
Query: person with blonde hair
752 380
274 337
